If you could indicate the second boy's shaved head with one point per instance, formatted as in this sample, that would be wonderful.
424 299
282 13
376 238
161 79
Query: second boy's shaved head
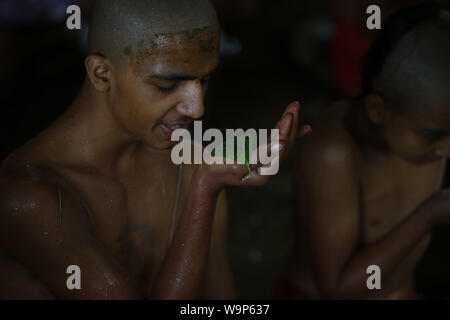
136 28
416 75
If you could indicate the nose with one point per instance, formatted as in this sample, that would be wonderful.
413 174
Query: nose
192 103
443 150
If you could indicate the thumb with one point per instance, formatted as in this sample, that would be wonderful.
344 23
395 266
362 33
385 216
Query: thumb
302 131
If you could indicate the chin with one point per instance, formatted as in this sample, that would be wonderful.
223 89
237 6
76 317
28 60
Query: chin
157 142
169 146
165 145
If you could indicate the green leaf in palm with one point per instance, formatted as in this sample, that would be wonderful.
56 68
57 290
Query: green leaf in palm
241 154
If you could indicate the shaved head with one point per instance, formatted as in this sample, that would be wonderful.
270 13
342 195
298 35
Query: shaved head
137 28
416 74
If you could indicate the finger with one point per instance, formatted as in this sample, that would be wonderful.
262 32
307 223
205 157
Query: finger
241 170
285 128
303 130
295 111
292 108
254 170
254 180
268 169
263 156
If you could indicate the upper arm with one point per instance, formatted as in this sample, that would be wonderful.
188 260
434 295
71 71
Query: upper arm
46 241
326 175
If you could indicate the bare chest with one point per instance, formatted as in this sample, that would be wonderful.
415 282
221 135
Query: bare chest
132 219
390 194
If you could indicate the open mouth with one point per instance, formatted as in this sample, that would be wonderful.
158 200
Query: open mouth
169 129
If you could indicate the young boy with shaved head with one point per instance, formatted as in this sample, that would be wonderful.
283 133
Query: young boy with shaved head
368 178
98 189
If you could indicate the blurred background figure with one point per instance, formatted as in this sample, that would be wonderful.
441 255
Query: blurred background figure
341 34
273 51
232 13
350 43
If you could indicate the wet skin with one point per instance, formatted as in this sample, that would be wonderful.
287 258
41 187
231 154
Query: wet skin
165 86
368 194
110 156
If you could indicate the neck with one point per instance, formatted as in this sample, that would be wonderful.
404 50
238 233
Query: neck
88 135
367 135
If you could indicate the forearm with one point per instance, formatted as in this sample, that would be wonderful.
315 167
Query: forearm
219 284
181 273
386 253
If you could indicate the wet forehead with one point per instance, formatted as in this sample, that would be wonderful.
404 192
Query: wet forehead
195 51
203 39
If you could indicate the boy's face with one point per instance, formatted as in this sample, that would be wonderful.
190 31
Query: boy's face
419 137
162 89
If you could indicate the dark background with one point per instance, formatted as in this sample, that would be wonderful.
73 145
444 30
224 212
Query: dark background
276 52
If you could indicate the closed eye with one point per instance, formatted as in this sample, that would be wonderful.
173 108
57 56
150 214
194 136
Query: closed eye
433 135
166 89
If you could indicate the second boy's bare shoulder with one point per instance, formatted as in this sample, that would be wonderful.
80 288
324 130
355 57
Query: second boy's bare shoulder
330 144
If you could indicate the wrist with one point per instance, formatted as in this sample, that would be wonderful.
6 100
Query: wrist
205 182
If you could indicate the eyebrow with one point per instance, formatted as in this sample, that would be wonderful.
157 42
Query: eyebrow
179 77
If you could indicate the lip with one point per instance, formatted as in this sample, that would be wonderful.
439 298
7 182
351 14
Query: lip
169 128
428 159
435 158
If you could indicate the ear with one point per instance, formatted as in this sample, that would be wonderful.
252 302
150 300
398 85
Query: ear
99 72
376 109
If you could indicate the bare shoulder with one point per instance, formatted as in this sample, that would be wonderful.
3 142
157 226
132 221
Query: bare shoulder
327 173
45 227
327 146
329 142
31 203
